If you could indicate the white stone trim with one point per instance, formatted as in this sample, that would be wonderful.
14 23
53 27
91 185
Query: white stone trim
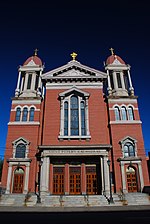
23 101
75 152
86 85
125 100
24 123
126 122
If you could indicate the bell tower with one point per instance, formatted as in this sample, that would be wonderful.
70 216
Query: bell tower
119 79
29 79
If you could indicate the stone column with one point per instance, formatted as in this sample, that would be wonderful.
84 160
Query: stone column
123 176
45 175
9 179
66 183
109 84
83 179
130 83
102 174
141 176
122 81
115 81
18 84
26 179
106 175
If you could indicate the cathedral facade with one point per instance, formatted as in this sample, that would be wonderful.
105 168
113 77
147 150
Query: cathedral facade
74 130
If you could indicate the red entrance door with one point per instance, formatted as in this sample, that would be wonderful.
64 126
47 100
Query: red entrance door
131 180
18 181
58 180
91 180
75 180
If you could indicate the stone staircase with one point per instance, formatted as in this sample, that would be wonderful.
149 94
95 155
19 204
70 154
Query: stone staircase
74 201
17 200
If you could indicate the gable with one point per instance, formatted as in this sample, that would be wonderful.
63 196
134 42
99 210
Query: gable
74 69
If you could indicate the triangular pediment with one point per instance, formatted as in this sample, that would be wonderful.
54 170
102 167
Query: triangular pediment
31 63
116 62
74 69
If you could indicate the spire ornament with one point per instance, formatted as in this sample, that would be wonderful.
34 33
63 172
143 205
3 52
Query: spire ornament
35 52
73 55
112 50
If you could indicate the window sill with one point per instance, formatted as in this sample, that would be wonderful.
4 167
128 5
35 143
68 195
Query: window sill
62 137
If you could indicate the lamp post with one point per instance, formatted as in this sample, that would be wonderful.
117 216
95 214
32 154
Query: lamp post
39 190
111 201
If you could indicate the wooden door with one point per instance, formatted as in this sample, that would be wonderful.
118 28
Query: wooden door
131 180
18 181
58 180
75 180
91 180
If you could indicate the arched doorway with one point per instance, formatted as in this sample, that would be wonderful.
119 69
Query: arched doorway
131 179
18 181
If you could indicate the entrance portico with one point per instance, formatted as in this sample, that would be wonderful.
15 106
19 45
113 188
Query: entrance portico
74 170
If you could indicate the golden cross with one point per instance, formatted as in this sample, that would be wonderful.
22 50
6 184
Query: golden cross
73 55
35 52
112 50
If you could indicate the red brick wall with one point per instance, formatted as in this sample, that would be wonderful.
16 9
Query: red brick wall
97 119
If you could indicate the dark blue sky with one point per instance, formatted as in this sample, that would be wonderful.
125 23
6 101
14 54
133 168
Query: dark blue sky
90 29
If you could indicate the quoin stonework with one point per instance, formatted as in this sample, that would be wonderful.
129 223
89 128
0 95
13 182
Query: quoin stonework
67 123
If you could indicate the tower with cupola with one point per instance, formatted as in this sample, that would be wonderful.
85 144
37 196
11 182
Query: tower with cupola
129 168
24 128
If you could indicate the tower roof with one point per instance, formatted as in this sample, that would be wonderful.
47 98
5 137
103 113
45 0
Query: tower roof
33 59
111 59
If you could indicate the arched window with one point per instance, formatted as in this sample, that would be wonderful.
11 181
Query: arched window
25 114
31 117
82 106
117 114
66 118
18 114
20 151
74 122
74 115
123 113
130 113
128 149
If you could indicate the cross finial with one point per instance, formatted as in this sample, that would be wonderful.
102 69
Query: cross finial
35 52
73 55
112 50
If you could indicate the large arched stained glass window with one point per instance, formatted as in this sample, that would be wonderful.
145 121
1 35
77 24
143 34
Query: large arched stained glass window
66 118
74 115
20 151
82 106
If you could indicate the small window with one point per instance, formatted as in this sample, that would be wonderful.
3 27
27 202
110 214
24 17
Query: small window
128 150
124 113
29 81
119 80
117 114
36 82
130 113
20 151
25 114
18 114
31 118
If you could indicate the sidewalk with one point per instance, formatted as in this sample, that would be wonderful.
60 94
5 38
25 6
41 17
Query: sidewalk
42 209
